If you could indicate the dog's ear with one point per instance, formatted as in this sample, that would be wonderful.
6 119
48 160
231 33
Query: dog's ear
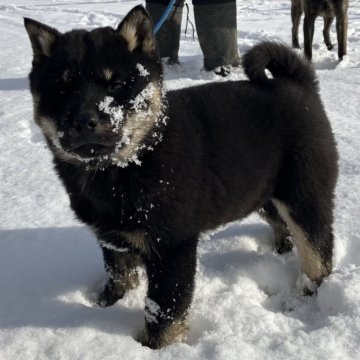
137 29
42 38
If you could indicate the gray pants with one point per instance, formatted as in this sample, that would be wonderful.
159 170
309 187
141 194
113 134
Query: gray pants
216 27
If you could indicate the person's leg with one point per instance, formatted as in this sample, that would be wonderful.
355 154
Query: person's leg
168 36
216 27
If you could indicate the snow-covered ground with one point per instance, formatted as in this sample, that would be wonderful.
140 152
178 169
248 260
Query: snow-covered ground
246 305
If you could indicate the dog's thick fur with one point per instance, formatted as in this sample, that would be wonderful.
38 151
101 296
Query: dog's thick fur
328 9
150 171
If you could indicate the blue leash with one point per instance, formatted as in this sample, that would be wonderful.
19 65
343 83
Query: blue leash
164 16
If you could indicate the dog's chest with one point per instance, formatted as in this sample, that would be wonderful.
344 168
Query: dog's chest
118 203
121 201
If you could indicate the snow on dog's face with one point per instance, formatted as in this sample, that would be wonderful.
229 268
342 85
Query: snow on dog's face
97 94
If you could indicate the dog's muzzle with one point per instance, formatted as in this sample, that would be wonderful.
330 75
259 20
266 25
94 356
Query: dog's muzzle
85 139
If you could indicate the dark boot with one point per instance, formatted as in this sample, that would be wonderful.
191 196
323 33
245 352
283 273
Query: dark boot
217 32
168 37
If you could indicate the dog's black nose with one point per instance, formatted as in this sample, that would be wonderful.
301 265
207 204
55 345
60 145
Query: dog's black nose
86 122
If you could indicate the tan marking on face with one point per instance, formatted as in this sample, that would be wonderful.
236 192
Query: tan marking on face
47 127
310 260
108 74
138 129
51 132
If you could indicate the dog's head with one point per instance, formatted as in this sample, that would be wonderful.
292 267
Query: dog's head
97 94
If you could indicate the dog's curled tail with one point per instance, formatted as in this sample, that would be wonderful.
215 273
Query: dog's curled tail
281 61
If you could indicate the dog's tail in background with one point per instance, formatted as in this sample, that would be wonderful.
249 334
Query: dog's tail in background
281 61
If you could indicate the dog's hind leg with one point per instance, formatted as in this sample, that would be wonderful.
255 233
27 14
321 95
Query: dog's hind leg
326 32
311 229
280 229
296 12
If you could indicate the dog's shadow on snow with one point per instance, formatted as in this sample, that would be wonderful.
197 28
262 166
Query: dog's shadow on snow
12 84
46 275
248 251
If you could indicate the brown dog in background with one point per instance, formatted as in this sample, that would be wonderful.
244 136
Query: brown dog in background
328 9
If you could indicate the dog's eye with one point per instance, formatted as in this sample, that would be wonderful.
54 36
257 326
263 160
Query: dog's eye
107 74
117 84
60 87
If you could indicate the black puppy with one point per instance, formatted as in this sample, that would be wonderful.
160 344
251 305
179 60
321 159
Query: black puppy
149 171
328 9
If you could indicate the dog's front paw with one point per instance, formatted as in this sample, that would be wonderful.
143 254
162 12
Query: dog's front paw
114 290
110 294
176 332
151 341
